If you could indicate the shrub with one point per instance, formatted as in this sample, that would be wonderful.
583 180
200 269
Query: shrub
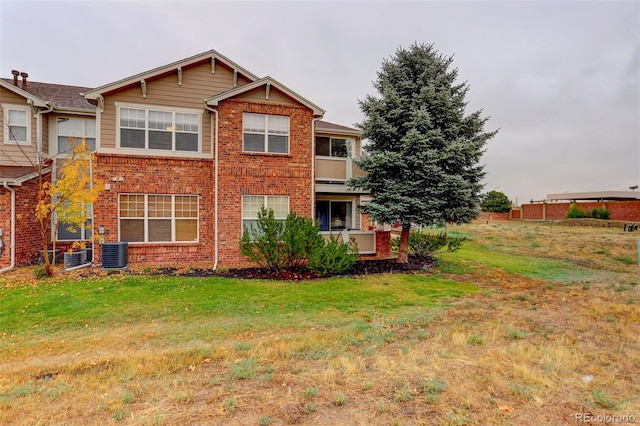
300 239
575 212
262 244
277 244
600 213
333 257
425 246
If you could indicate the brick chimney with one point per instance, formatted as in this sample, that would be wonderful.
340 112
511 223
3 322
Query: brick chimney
15 73
24 76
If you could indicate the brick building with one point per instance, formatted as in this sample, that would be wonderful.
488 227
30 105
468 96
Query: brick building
188 153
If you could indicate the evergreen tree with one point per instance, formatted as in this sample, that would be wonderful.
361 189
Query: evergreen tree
495 202
423 153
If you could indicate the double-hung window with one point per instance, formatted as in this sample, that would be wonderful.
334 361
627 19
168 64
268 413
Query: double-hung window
17 126
251 205
73 130
159 129
158 218
265 133
332 147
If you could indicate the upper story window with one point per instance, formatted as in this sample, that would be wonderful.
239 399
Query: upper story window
332 147
159 129
17 126
265 133
72 130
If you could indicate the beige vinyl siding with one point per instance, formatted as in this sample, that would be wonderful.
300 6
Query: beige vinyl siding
198 83
11 154
45 133
275 96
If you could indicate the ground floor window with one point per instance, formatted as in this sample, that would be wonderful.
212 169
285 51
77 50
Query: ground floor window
158 217
75 233
334 215
251 205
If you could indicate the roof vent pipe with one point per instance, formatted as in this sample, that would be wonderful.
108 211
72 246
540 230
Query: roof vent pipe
15 73
24 76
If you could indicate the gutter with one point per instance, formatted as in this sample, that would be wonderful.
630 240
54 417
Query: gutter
13 228
215 185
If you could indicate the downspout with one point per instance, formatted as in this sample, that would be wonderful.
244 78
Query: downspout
13 228
215 185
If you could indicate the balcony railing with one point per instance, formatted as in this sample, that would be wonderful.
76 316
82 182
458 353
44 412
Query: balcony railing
366 240
336 169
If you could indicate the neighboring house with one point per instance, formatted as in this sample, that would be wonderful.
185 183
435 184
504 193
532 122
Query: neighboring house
190 151
37 118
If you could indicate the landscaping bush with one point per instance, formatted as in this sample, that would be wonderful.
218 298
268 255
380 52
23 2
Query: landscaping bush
277 244
424 246
263 244
333 257
576 212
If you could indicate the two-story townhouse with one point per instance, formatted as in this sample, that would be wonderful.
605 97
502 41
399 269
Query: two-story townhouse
188 153
37 120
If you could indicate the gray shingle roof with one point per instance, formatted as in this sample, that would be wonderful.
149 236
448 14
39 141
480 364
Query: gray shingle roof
60 95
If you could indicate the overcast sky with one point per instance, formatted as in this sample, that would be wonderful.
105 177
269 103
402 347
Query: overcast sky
561 80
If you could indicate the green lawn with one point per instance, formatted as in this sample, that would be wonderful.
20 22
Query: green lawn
235 304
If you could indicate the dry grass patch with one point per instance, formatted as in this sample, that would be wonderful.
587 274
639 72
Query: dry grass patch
540 342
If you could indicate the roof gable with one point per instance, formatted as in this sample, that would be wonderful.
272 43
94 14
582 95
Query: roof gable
20 92
210 55
268 82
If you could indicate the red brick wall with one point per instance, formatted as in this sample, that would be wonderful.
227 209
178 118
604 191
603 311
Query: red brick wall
5 225
531 211
484 216
383 243
28 239
620 210
260 174
156 175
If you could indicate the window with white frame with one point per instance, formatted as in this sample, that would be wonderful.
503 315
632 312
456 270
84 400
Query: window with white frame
72 130
159 129
17 126
251 205
158 218
77 233
332 147
265 133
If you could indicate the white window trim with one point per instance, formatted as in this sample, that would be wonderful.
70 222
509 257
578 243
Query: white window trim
159 152
6 108
266 134
173 218
264 204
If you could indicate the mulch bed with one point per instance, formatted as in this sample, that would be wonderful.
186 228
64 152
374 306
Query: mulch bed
362 267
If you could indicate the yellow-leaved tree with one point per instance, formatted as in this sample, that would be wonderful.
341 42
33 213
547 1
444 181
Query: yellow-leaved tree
65 200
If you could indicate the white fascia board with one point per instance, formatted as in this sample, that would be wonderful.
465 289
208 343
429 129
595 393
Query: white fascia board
93 94
214 100
36 101
74 111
